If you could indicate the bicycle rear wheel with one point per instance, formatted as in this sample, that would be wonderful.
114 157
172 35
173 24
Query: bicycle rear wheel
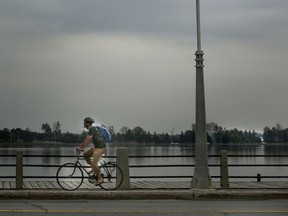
113 176
69 176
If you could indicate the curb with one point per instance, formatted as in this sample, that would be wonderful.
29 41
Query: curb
192 194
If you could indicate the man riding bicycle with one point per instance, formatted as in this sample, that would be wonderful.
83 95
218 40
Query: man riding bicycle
96 152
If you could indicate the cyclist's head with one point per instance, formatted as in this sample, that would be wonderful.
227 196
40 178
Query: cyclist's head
88 121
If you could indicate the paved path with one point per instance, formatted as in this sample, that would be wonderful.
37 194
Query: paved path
150 185
146 190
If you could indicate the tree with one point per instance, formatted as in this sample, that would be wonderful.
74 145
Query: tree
124 130
6 135
112 133
118 137
221 135
139 134
17 134
148 137
269 135
234 136
165 138
128 136
69 138
47 131
187 137
28 135
156 138
275 134
57 131
278 131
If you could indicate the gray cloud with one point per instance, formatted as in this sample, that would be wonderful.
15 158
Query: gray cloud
131 62
70 16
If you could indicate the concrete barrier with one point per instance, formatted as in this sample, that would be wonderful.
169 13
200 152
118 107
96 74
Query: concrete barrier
19 170
123 163
224 175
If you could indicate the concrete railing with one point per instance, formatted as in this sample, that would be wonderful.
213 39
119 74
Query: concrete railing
224 176
19 170
122 160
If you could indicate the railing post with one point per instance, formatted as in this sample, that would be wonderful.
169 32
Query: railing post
258 177
19 170
224 170
123 163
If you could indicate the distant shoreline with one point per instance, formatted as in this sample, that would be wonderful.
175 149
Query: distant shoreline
37 144
47 144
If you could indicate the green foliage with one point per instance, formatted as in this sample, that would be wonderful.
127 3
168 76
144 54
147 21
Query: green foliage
235 136
275 134
5 135
15 135
47 131
187 137
56 131
69 138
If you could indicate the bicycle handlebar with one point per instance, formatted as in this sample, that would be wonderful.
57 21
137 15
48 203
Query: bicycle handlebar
77 151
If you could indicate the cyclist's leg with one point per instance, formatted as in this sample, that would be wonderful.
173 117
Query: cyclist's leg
96 157
88 154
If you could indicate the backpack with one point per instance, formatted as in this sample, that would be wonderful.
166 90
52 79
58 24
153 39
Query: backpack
103 131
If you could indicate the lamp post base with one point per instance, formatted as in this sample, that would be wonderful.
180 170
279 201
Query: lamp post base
201 179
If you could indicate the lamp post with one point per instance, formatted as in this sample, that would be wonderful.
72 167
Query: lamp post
201 178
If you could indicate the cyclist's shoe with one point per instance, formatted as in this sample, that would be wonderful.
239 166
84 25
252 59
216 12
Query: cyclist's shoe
99 182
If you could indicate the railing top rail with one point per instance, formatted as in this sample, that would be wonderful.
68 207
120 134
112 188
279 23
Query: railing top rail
144 156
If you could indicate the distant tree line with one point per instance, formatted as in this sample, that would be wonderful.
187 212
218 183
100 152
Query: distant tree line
139 135
235 136
275 134
49 133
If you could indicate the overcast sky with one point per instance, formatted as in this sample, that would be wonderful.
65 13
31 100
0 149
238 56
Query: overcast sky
132 63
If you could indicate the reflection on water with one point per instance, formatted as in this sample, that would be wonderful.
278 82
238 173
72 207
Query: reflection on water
148 150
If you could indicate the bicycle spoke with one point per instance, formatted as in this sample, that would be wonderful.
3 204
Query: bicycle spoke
69 176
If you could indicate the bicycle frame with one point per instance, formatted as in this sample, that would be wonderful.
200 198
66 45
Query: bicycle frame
102 162
109 170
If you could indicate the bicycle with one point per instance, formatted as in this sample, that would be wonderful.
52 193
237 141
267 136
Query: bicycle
70 176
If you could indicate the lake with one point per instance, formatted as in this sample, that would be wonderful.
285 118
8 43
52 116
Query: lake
161 150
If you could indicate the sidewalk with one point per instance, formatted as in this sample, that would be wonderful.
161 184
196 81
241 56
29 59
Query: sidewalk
148 190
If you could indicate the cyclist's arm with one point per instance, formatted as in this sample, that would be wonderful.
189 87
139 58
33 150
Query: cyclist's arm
87 140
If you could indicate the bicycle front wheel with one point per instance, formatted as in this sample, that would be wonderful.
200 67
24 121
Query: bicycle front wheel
69 176
113 176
